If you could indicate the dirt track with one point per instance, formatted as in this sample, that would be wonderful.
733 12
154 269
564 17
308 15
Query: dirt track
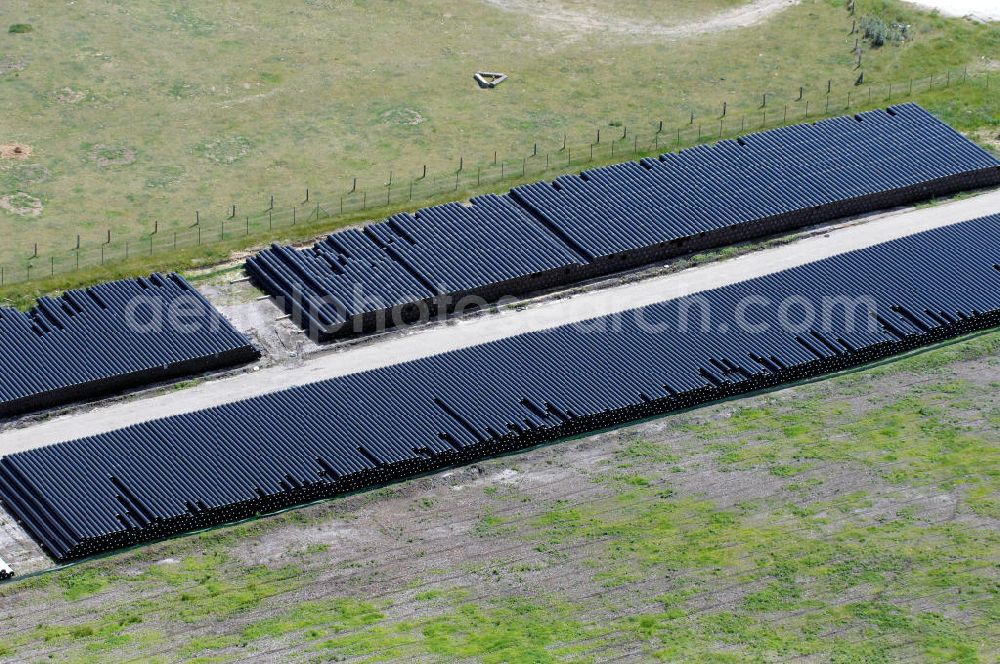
593 21
437 338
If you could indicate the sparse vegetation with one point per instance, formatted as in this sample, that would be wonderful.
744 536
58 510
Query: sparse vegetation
878 33
20 28
277 132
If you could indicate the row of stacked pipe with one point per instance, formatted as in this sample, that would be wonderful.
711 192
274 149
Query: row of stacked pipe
412 267
111 337
253 456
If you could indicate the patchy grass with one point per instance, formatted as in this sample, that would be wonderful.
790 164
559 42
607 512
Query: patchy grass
320 107
875 540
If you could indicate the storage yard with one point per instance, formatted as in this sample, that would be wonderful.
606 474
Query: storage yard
275 451
602 221
845 519
732 398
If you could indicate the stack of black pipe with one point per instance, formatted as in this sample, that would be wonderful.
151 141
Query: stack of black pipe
111 337
605 220
194 470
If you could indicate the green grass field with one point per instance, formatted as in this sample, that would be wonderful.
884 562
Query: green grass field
142 114
847 520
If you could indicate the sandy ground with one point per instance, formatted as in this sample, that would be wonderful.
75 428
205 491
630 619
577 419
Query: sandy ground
984 10
595 21
460 333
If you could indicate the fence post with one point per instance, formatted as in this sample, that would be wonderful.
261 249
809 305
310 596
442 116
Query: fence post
294 213
52 266
307 190
725 107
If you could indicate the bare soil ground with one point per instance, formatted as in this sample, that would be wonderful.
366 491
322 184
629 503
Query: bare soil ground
15 151
579 20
